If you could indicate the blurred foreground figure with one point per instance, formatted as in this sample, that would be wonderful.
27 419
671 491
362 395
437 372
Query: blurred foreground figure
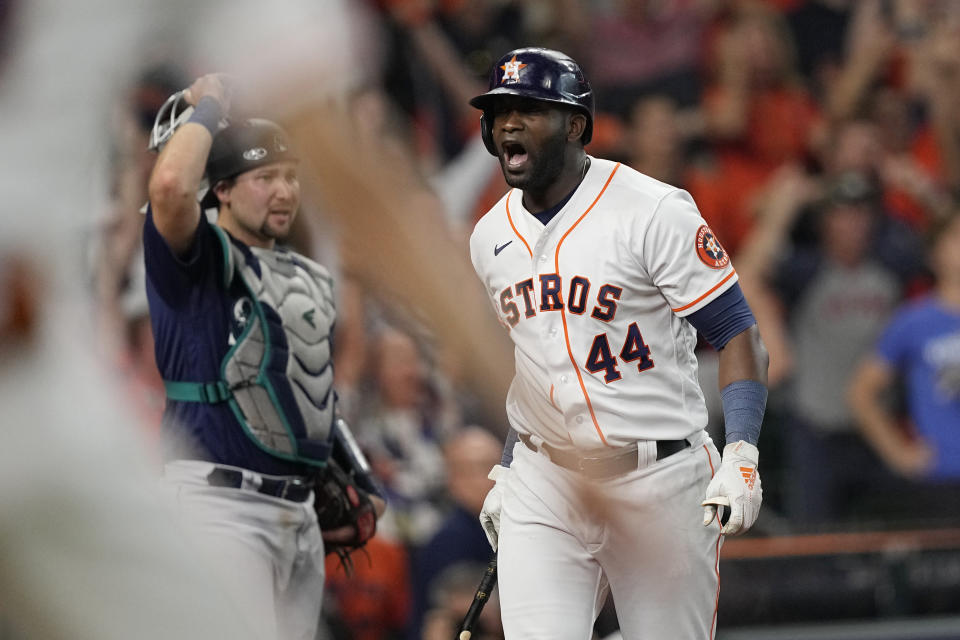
88 552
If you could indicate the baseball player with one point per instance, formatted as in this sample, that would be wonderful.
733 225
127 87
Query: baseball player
602 276
242 330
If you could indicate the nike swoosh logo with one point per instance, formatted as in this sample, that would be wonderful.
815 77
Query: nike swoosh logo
497 250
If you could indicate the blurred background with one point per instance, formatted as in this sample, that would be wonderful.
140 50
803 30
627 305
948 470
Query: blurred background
820 139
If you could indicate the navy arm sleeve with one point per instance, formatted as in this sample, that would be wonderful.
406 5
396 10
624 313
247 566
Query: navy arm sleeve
724 318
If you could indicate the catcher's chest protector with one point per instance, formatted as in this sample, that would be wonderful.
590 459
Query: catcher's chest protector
277 376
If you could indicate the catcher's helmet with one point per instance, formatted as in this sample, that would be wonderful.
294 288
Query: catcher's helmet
541 74
243 146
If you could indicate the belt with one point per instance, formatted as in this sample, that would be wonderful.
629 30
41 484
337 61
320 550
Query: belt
601 467
294 489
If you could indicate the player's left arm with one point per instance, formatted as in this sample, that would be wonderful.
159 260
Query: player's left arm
684 259
728 324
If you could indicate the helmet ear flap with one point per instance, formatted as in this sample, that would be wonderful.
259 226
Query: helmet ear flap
486 131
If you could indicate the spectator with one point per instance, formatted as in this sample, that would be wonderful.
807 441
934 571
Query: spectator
909 164
871 49
758 115
469 456
937 146
857 146
819 28
655 140
900 73
402 425
920 348
439 57
635 47
835 297
758 104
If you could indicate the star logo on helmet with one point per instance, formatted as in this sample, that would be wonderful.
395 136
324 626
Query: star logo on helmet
511 70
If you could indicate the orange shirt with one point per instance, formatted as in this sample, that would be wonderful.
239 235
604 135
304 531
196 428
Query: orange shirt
375 602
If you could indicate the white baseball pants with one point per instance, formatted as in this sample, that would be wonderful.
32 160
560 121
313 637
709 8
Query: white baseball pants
564 540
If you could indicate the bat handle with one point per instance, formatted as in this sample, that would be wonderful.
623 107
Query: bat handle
487 583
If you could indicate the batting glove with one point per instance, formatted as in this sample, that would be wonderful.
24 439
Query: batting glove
490 514
736 485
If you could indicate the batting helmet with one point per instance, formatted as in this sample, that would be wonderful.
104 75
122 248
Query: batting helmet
541 74
243 146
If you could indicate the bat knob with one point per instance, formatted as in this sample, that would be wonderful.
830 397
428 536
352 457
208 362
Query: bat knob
465 635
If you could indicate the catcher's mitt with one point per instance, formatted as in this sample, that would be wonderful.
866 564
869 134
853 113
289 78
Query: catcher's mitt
339 502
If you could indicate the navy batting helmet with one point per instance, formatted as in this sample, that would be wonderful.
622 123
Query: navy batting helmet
541 74
243 146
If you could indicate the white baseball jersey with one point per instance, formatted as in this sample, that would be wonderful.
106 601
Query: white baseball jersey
595 303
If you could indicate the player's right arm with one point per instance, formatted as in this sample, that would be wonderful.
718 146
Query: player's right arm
179 170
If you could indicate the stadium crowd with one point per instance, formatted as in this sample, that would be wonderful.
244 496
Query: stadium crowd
821 141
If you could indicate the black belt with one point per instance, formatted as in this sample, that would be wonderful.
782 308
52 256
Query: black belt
295 489
609 466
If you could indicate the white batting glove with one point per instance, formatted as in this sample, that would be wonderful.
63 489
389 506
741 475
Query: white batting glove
736 485
490 514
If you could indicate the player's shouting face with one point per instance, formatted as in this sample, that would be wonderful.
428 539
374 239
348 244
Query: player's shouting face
262 202
531 138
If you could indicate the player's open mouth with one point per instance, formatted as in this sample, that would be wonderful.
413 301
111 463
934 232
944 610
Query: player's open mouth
514 155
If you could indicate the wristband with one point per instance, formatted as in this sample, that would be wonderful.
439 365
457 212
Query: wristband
207 113
744 402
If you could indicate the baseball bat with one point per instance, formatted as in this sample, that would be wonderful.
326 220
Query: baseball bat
487 583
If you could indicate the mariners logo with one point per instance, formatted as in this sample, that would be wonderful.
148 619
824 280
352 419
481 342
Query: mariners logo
709 250
511 70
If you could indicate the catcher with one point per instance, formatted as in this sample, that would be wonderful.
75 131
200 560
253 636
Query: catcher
252 442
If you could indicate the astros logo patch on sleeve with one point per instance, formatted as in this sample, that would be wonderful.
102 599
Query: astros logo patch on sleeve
709 249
